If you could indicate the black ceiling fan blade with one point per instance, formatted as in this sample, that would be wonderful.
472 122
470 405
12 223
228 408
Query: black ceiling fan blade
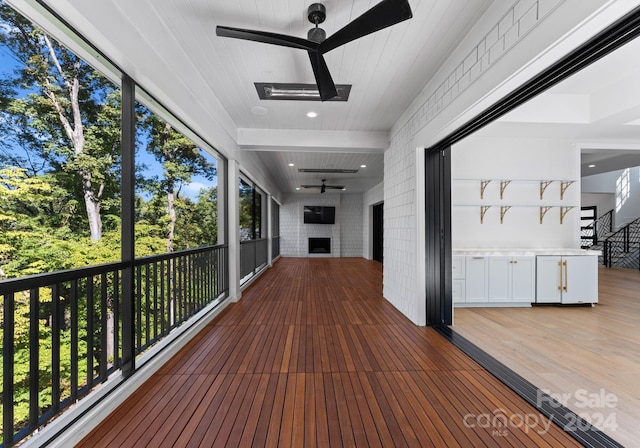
334 187
383 15
267 38
326 87
311 186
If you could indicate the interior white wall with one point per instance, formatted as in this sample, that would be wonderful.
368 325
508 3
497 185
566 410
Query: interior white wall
345 234
603 201
605 183
525 162
372 197
600 183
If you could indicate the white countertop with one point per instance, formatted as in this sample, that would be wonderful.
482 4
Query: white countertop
506 251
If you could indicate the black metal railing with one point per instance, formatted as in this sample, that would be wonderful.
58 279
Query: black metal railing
597 230
275 247
253 257
62 332
622 248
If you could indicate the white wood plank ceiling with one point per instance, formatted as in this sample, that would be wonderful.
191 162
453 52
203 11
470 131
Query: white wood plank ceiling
171 49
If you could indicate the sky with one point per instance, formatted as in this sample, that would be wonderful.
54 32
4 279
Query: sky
152 167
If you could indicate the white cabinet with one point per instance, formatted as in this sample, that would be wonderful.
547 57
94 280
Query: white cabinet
458 279
567 279
476 279
511 279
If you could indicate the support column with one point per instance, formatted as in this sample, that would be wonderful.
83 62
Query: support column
269 230
127 226
233 226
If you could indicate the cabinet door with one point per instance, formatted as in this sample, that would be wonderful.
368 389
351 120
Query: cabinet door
458 293
580 276
458 267
548 285
523 277
476 279
500 279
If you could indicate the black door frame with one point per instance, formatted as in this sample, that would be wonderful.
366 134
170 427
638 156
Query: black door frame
439 303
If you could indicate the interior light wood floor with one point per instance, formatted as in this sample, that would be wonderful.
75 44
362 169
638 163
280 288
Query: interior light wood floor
586 353
314 356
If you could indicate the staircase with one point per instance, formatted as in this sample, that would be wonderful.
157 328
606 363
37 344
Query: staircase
621 248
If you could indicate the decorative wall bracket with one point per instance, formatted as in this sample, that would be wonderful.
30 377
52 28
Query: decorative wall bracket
503 211
483 186
503 186
483 211
543 211
543 186
563 213
563 187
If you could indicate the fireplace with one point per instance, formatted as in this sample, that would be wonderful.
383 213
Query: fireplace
319 245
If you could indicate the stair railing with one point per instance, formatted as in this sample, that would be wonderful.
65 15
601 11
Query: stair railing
622 248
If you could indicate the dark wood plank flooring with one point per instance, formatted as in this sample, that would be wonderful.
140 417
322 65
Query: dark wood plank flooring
314 356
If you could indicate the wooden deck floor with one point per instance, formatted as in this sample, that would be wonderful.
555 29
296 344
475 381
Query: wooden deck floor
583 355
314 356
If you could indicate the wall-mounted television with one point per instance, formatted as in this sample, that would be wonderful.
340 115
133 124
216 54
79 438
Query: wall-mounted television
317 214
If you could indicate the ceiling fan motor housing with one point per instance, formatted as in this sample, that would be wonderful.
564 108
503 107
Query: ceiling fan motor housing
316 13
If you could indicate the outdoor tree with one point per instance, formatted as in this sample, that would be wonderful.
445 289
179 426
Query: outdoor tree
181 160
64 114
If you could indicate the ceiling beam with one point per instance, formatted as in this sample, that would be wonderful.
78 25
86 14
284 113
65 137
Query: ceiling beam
299 140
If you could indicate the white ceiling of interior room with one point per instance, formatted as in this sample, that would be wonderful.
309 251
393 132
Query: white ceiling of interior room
594 108
171 48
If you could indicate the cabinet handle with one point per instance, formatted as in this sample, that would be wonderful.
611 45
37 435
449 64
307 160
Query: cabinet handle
561 282
566 276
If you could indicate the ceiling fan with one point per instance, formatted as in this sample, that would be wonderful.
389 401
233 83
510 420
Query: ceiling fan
324 187
384 14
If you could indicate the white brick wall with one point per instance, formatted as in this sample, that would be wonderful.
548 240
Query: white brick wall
345 234
401 276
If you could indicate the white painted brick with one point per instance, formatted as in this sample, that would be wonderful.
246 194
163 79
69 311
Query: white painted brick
492 37
470 60
546 6
528 20
496 51
523 7
505 24
475 72
511 36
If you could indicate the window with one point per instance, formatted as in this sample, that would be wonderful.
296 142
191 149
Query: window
251 211
176 189
59 157
623 189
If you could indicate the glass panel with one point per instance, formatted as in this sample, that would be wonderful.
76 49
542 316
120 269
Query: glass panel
176 189
246 211
59 156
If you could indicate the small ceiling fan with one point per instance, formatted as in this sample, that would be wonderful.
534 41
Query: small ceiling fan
324 187
383 15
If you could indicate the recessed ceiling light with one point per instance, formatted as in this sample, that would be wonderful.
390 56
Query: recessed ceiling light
592 166
259 110
312 114
292 164
297 188
363 166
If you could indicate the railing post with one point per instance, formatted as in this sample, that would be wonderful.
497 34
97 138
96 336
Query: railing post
7 369
127 224
605 254
626 238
